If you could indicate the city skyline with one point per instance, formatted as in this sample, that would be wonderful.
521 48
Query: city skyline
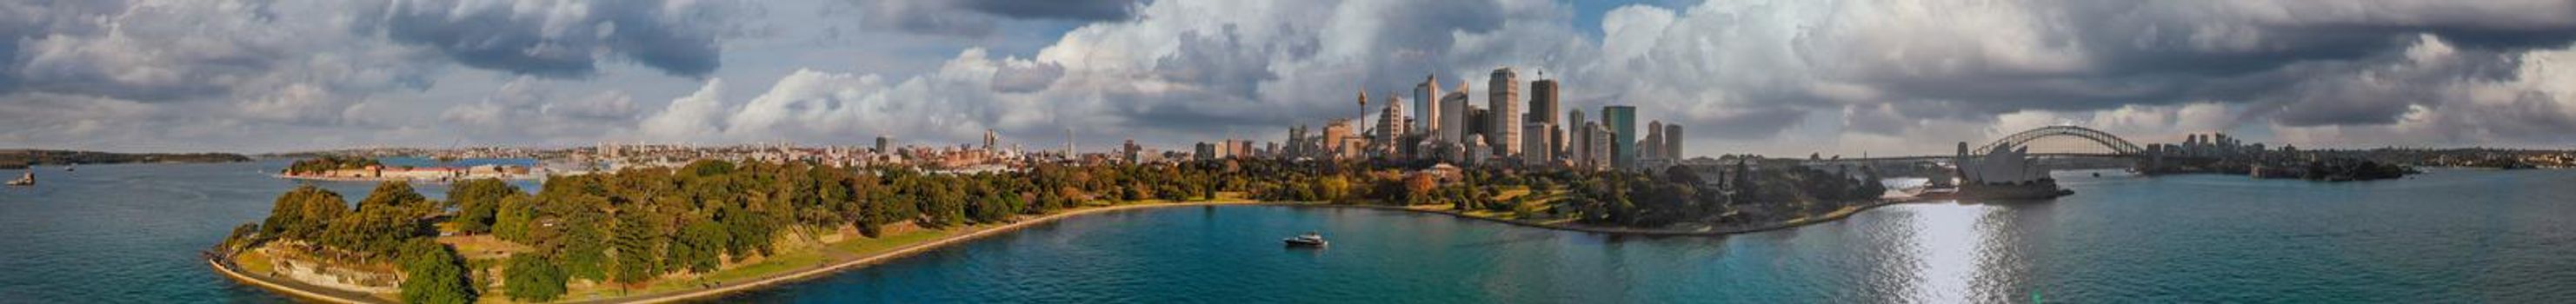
311 75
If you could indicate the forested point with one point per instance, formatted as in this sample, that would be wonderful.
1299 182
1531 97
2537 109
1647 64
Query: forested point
327 163
632 227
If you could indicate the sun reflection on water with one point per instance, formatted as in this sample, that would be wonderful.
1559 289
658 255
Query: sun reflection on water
1948 245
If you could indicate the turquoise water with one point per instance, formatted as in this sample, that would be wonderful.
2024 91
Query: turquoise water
128 233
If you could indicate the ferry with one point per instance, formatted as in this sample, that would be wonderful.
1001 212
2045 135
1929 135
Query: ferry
1310 239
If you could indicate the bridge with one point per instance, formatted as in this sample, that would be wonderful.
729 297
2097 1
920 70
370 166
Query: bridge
2118 147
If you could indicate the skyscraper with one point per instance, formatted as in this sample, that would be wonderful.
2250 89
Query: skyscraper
1453 116
1673 142
1390 125
1602 146
1504 100
1653 146
1578 142
990 140
1542 108
1426 105
1534 152
1622 122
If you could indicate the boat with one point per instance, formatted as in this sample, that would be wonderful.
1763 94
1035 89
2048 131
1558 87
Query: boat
28 179
71 167
1310 239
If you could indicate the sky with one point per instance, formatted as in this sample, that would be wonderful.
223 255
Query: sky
1787 77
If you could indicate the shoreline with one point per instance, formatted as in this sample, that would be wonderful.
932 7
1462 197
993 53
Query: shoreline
926 246
1828 218
404 179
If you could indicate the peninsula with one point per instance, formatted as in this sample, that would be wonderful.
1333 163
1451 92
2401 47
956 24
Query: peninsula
22 158
656 234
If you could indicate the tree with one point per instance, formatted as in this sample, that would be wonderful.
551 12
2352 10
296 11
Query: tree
304 213
530 278
698 246
432 273
476 201
515 219
396 195
635 257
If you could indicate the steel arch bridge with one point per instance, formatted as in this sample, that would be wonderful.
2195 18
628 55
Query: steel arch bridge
2119 147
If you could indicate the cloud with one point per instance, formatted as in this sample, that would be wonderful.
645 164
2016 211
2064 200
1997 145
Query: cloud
564 38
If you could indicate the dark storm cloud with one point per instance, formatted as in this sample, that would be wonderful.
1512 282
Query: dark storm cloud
2168 52
565 39
1223 62
1081 10
978 18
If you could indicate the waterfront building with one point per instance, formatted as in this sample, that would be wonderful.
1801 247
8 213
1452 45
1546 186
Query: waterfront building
1503 116
2007 172
1426 105
1622 122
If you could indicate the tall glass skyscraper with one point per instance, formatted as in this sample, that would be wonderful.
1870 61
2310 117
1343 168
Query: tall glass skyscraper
1623 129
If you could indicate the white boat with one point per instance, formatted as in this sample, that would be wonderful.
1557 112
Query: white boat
28 179
1310 239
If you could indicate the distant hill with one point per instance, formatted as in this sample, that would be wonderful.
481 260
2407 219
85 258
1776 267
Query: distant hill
21 158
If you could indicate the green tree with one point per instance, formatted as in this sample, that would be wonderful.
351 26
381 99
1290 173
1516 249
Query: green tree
515 219
304 213
530 278
476 203
635 257
698 246
432 273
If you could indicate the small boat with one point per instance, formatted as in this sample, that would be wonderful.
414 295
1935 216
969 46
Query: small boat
71 167
28 179
1310 239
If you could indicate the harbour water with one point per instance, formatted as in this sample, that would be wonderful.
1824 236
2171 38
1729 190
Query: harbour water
129 233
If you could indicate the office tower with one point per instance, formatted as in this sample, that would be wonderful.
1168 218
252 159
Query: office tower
1453 117
1673 142
1426 105
1602 146
1622 122
1542 108
1334 133
1131 151
1535 152
1390 125
1653 146
989 140
1578 141
884 144
1479 123
1504 103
